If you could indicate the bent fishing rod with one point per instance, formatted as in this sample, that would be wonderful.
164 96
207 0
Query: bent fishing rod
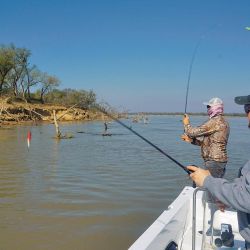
142 137
190 71
192 62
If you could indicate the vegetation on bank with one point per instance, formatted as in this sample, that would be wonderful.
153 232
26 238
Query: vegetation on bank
19 79
27 93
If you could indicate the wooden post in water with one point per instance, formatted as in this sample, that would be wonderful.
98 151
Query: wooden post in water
58 133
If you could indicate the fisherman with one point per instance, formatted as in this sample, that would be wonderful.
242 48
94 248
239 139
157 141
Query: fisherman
244 100
211 136
247 110
234 194
105 128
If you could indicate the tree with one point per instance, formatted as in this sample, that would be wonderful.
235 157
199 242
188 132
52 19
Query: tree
83 97
32 77
88 98
18 72
48 83
6 64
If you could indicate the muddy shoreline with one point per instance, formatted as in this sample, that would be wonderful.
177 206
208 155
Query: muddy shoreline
16 113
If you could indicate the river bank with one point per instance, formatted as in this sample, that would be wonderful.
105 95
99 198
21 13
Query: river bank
18 112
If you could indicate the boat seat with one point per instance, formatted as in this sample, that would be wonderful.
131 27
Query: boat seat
227 217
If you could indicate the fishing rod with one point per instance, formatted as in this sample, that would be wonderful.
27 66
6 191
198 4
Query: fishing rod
190 71
192 62
142 137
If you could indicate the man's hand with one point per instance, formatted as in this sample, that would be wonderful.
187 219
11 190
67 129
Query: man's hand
220 205
185 119
186 138
199 175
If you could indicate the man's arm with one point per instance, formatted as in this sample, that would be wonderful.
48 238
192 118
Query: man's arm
205 129
235 194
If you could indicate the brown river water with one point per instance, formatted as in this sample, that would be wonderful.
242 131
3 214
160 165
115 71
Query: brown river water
95 192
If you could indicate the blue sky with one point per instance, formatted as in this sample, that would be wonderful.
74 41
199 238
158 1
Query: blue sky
135 54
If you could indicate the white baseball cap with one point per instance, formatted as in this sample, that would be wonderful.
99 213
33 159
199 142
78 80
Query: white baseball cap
214 101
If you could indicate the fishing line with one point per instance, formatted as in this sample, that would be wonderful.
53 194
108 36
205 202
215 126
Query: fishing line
143 138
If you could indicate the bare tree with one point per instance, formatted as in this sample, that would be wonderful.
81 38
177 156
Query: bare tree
32 77
18 72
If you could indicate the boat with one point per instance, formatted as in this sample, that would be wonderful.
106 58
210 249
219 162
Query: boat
187 225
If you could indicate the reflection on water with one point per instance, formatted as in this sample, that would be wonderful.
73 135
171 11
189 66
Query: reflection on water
95 192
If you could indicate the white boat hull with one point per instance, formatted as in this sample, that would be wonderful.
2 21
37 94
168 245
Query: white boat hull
183 226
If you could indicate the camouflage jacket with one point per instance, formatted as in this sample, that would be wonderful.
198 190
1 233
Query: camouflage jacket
212 137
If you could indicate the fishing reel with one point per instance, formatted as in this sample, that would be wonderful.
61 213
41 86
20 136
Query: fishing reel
226 238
